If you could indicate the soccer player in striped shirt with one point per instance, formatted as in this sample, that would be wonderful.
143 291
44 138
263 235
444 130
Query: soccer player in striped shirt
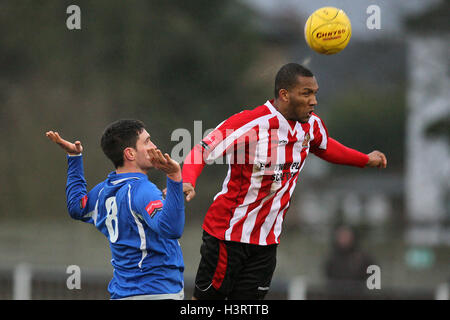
142 228
266 149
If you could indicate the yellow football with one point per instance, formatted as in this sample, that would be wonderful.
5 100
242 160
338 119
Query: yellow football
328 30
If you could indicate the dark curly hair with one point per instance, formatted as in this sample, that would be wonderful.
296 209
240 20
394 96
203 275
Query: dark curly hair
118 136
286 77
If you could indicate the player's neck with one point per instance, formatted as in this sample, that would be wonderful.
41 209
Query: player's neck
129 168
283 112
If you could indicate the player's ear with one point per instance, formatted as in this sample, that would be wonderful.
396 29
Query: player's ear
129 154
283 94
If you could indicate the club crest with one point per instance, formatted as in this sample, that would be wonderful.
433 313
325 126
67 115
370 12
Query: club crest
306 140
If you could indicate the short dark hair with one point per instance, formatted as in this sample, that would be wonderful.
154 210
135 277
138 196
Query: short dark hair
286 77
118 136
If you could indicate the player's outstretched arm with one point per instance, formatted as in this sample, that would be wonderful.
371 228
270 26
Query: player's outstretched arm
337 153
77 198
69 147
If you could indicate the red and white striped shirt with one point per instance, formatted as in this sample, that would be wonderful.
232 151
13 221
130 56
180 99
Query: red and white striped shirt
265 153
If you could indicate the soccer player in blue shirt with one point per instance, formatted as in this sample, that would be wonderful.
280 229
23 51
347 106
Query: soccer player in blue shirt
142 227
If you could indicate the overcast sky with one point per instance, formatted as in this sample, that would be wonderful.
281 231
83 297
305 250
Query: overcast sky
391 11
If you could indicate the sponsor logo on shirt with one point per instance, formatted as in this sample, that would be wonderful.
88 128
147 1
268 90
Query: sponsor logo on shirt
153 207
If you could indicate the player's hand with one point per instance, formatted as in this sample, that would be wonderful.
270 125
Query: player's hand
69 147
377 159
189 191
166 164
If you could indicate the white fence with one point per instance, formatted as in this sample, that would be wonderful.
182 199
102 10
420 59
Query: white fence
28 282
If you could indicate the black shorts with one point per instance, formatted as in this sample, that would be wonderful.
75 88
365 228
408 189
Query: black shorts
234 270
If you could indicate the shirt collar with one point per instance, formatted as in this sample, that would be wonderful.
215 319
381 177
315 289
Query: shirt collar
119 177
295 124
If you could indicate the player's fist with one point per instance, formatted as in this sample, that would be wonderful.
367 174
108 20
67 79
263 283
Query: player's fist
377 159
189 191
71 148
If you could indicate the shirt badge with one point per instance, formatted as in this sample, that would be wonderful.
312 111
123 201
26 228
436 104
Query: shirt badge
306 140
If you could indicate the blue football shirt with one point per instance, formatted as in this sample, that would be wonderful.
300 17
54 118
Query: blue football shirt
142 228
